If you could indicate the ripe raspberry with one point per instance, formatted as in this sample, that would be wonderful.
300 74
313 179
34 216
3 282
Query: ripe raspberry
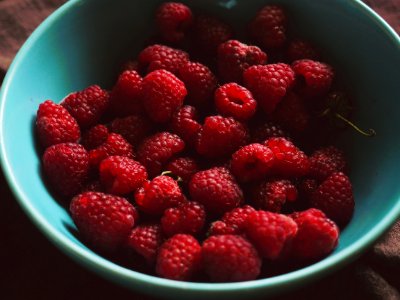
183 167
103 220
55 125
290 161
156 150
145 239
233 100
232 222
268 28
157 57
325 161
221 136
316 237
270 233
335 198
187 218
252 162
163 94
200 83
314 78
234 57
173 20
66 167
133 128
216 189
228 258
184 123
306 188
300 49
269 83
159 194
271 195
265 130
121 175
87 106
94 137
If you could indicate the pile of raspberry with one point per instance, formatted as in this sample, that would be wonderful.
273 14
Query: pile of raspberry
205 166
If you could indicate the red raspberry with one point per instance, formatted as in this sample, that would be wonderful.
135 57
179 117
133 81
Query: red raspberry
314 78
233 100
133 128
87 106
300 49
306 188
265 130
290 161
200 83
184 123
316 236
183 167
157 57
268 28
232 222
156 150
94 137
121 175
66 167
270 233
221 136
145 239
229 258
234 57
271 195
325 161
55 125
335 198
216 189
103 220
159 194
269 83
163 94
187 218
252 162
179 258
173 20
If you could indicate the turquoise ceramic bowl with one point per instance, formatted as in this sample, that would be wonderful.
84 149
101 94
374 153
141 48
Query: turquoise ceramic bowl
83 42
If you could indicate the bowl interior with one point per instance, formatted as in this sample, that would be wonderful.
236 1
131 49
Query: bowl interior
85 42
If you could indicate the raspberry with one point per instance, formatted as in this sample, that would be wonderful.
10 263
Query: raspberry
187 218
325 161
93 186
252 162
221 136
133 128
184 123
145 239
265 130
55 125
316 236
314 78
66 167
234 57
156 150
216 189
271 195
270 233
183 167
230 258
103 220
300 49
159 194
268 28
335 198
87 106
157 57
269 83
233 100
232 222
179 257
200 83
173 20
121 175
94 137
163 94
290 161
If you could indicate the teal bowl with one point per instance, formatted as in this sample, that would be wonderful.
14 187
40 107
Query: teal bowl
84 42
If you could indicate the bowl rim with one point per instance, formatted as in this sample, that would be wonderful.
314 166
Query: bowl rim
110 269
